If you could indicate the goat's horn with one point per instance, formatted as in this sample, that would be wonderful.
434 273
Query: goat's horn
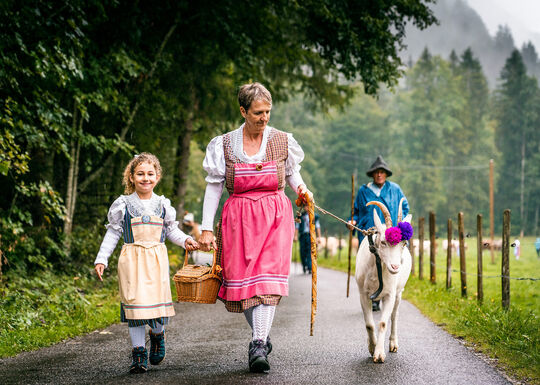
386 213
400 210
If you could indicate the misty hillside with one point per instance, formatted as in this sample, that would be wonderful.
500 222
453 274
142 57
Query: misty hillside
461 27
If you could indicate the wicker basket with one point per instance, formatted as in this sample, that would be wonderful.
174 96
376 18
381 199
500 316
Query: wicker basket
196 283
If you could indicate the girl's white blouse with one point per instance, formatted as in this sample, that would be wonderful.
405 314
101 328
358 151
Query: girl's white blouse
214 162
151 206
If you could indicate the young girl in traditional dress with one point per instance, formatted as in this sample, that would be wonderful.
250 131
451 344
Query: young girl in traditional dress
145 219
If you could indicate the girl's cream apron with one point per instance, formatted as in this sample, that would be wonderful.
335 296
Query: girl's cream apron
143 270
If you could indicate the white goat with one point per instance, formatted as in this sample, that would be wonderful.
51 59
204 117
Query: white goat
396 267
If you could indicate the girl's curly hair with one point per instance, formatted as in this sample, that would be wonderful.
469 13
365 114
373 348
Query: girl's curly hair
143 157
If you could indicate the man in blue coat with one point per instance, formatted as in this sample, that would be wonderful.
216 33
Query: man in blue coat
382 190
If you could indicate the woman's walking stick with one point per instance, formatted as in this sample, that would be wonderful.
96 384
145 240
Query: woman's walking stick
311 213
304 200
350 235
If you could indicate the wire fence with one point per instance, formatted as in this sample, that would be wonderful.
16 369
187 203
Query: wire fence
497 276
504 247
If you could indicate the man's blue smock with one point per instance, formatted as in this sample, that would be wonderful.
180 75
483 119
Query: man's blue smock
390 195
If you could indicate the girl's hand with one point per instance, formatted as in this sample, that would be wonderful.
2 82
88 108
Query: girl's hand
191 244
99 268
206 241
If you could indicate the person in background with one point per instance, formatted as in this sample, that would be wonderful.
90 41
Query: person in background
302 235
537 246
382 190
191 227
517 249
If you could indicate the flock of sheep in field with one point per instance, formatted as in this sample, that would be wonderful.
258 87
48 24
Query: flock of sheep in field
334 246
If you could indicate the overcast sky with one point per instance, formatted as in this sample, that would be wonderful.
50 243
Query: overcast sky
522 16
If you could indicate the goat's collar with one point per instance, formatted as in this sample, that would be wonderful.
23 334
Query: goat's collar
375 252
372 248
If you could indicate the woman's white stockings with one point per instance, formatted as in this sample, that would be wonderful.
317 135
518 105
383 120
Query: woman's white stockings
260 319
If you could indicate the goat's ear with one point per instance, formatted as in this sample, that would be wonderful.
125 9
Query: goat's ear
377 220
408 218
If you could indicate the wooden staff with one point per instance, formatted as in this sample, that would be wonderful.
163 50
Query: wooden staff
312 234
350 234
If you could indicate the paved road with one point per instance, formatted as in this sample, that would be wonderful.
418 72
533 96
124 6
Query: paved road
207 345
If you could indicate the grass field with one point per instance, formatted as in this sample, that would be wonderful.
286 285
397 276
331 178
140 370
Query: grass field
512 337
44 310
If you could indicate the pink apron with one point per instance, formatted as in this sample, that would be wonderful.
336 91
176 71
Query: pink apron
257 233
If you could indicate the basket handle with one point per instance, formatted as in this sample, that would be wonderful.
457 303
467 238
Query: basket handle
214 263
186 257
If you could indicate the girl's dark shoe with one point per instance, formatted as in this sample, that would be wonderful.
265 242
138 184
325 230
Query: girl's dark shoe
139 364
157 347
258 361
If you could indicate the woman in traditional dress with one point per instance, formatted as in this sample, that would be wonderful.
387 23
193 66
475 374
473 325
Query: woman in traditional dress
256 230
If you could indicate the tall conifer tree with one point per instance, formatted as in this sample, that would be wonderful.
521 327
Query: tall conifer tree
517 118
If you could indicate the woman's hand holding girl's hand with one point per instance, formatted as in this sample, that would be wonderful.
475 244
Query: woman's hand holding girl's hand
191 244
206 241
99 268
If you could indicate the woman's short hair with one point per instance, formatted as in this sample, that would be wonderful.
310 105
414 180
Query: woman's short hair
248 93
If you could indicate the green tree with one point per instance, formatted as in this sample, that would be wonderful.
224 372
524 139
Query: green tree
471 142
84 85
516 111
425 117
530 59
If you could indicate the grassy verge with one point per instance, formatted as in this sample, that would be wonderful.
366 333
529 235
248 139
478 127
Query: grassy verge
47 309
511 337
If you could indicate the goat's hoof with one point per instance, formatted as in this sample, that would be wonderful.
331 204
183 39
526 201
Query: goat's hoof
379 358
393 347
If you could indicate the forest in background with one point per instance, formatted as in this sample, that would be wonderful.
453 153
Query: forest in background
86 85
460 27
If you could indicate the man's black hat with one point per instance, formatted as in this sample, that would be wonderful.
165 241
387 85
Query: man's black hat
379 163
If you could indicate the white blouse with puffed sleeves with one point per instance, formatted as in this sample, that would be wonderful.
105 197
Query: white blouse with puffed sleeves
214 164
138 207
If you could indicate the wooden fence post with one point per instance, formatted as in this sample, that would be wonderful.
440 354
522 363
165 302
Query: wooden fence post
421 248
479 249
432 248
505 266
350 237
411 250
449 255
462 264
